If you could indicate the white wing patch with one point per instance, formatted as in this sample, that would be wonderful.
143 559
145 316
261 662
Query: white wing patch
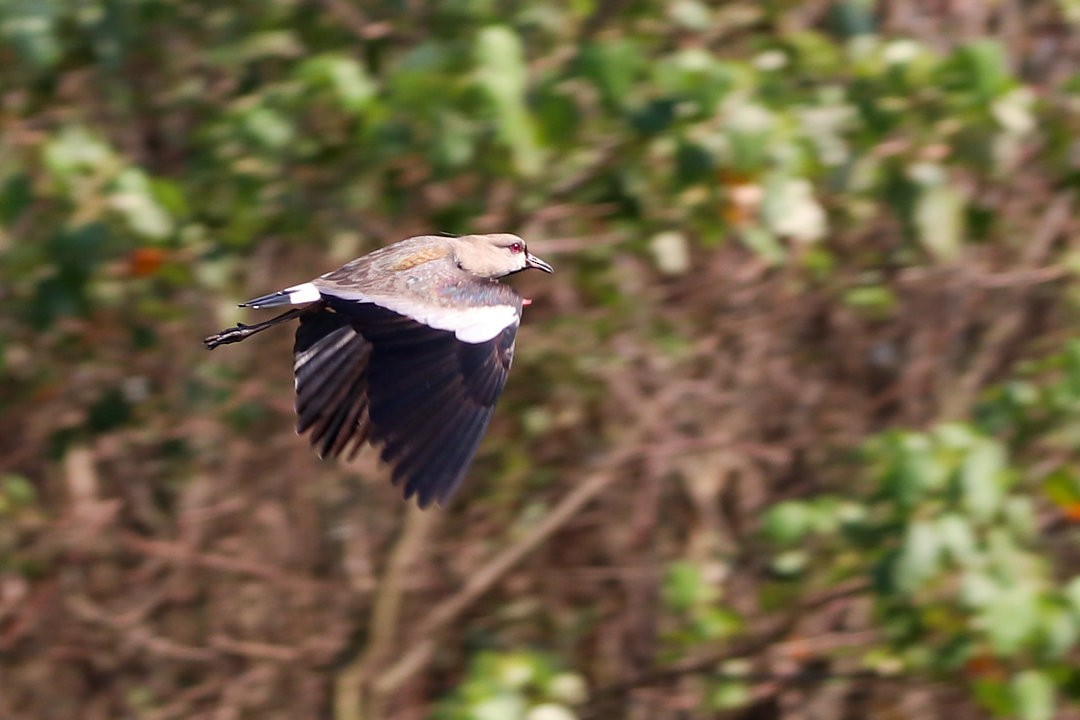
477 325
471 325
303 293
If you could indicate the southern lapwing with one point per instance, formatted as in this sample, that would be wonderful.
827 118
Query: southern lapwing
407 347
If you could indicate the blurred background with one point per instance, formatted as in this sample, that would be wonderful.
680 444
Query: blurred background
792 432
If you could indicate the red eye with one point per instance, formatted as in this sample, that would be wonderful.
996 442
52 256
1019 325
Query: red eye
516 248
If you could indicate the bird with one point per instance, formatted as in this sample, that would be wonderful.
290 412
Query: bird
407 348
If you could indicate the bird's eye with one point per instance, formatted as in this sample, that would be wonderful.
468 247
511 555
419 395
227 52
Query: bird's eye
516 247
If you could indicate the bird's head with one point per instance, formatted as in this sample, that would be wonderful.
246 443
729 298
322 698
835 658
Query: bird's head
493 256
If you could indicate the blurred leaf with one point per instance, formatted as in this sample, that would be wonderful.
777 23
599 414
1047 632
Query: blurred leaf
984 67
346 79
1059 630
133 198
693 164
729 696
1020 517
787 522
15 197
1033 693
790 563
981 479
1014 111
557 116
978 589
671 251
501 72
694 74
957 538
1072 367
1010 618
268 127
455 146
17 489
853 17
499 707
690 14
30 27
1071 592
655 117
791 210
516 670
875 300
271 43
713 623
749 129
764 244
919 558
995 696
684 586
74 150
1062 486
550 711
939 221
957 436
912 468
613 67
569 688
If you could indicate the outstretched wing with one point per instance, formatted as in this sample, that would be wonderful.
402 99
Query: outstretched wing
368 373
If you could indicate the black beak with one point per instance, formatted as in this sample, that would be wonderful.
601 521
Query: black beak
535 262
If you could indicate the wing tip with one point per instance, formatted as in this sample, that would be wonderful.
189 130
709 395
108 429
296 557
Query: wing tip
427 497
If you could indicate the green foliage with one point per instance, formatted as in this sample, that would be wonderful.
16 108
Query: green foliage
698 617
21 517
949 531
514 686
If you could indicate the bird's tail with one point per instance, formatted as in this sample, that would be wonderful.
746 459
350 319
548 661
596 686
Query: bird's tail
295 295
242 331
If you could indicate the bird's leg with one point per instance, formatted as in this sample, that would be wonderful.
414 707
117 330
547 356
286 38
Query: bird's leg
242 331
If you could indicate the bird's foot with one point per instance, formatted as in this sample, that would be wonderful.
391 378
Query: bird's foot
227 336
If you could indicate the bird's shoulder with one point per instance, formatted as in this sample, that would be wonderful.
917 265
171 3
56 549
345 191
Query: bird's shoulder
385 261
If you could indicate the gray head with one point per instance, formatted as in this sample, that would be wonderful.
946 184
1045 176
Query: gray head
493 256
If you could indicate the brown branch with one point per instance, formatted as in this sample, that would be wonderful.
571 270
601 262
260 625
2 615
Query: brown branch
138 635
354 21
450 609
181 706
383 625
605 11
1004 329
185 555
256 650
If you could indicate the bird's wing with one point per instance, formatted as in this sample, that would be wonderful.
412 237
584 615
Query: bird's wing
365 372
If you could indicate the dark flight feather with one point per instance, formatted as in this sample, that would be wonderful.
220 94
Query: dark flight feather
363 371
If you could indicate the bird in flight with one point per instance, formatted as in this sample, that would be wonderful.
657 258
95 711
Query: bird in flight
408 348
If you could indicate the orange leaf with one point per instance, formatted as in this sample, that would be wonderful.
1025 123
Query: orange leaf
144 262
984 666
